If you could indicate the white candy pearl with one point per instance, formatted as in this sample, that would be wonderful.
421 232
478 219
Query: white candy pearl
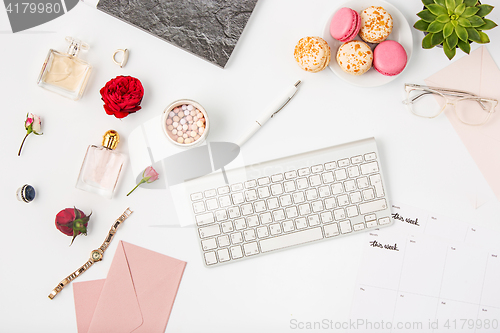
184 107
182 121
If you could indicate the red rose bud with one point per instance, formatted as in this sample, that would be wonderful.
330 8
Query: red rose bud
72 222
122 96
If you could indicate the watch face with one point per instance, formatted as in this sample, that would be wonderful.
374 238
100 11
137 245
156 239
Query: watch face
96 255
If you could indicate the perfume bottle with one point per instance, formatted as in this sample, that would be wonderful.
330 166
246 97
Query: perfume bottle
65 73
101 167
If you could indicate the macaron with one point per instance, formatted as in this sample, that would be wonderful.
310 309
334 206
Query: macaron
376 24
389 58
355 57
345 24
312 54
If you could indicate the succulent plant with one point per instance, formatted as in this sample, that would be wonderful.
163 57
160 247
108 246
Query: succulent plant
454 23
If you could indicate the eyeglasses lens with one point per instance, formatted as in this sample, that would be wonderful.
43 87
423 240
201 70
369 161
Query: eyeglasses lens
473 111
425 104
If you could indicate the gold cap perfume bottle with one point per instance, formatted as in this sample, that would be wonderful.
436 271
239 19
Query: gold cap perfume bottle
65 73
102 167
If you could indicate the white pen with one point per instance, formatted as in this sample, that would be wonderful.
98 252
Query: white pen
268 114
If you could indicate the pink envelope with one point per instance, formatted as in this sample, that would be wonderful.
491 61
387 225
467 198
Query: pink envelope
137 295
476 73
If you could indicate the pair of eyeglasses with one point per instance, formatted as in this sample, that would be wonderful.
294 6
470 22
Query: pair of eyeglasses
430 102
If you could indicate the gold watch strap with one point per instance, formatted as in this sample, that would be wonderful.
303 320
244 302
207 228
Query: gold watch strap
90 262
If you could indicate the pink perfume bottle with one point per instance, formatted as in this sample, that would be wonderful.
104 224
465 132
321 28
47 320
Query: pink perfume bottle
65 73
101 167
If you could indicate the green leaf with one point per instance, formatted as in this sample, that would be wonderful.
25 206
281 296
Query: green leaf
450 4
464 46
426 42
489 24
484 10
462 33
422 25
449 51
468 12
437 9
454 22
470 3
443 18
473 35
452 40
440 2
427 2
484 37
437 38
448 29
464 22
460 9
476 21
458 2
435 27
427 16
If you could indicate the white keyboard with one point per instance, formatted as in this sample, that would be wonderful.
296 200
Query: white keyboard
319 195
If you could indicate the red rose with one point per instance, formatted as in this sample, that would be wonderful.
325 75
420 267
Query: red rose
122 96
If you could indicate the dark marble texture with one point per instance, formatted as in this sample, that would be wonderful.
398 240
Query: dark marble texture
207 28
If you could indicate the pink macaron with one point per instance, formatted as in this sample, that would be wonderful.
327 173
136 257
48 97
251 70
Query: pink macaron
389 58
345 24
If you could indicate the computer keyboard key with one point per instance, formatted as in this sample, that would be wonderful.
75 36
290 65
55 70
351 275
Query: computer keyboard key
358 226
227 227
301 223
262 232
238 198
223 190
384 220
355 197
298 197
265 218
209 244
343 162
198 207
225 201
330 203
233 212
376 181
353 171
285 200
290 174
249 235
345 226
223 255
326 217
263 192
246 209
288 226
252 221
330 166
349 185
279 215
223 241
251 249
210 258
210 193
303 172
368 194
289 186
324 191
236 238
204 219
370 217
339 214
317 206
328 177
369 168
311 194
275 229
250 184
210 231
212 204
305 209
276 189
291 212
315 180
356 159
343 200
277 178
362 182
291 239
340 174
337 188
352 211
331 230
196 196
317 168
237 187
370 157
371 224
272 203
313 220
302 183
221 215
240 224
263 181
259 206
372 206
236 252
251 195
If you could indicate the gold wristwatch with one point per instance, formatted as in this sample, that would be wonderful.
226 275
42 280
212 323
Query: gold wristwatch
95 256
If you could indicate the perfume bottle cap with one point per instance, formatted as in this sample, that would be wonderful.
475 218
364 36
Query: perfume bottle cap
75 45
110 139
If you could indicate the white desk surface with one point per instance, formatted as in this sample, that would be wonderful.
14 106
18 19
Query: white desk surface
425 165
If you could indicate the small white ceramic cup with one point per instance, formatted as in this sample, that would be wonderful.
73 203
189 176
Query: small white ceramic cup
175 104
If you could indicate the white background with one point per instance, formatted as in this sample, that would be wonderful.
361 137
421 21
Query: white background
425 165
